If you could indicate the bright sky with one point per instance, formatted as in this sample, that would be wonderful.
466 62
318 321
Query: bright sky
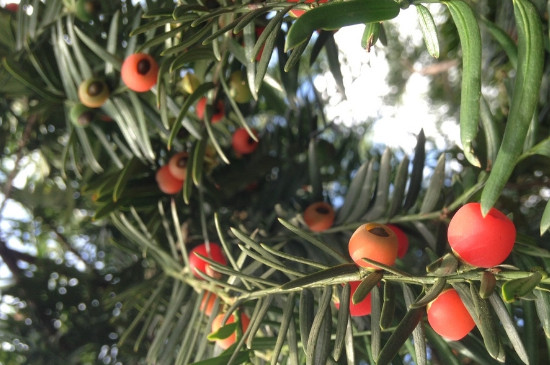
396 125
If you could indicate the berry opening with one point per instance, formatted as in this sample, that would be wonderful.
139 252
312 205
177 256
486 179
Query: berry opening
143 66
322 210
95 88
379 231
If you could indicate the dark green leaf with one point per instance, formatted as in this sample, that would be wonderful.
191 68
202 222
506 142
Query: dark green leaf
470 40
429 30
517 288
524 100
487 325
314 172
382 188
314 241
307 302
505 41
366 286
242 357
417 172
542 304
353 192
342 322
388 306
400 335
335 15
431 294
318 348
419 338
129 171
323 277
509 327
399 185
435 187
334 64
376 334
370 35
191 99
288 316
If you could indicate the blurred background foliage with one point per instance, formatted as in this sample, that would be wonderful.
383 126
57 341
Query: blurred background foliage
94 253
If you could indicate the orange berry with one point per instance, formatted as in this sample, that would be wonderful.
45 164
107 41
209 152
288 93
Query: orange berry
217 324
362 308
319 216
481 241
242 142
178 165
449 317
402 240
93 92
373 241
207 303
139 72
196 263
167 182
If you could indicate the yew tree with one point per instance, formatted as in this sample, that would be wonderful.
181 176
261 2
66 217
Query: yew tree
174 192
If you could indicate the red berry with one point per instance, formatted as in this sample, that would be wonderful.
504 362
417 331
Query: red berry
259 31
242 142
362 308
402 240
167 183
481 241
13 7
217 324
296 13
218 112
178 165
319 216
196 263
449 317
139 72
373 241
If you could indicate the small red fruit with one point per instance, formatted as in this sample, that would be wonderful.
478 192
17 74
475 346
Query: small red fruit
259 30
139 72
373 241
449 317
178 165
13 7
217 324
196 263
363 308
242 142
402 240
218 112
167 183
207 303
296 13
481 241
319 216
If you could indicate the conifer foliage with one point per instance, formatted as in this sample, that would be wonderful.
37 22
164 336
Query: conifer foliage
191 203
